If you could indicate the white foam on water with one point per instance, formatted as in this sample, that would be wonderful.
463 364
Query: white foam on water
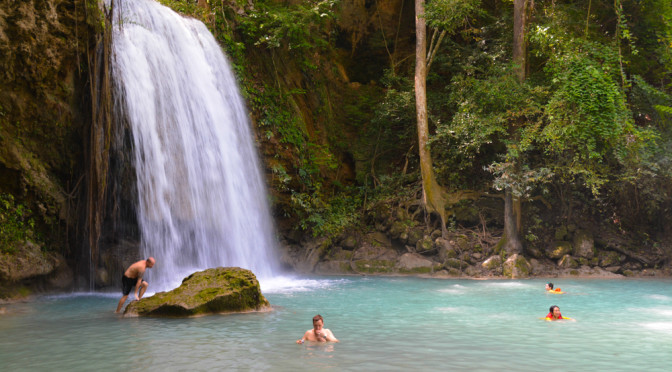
450 309
654 311
455 289
659 297
289 284
664 327
508 285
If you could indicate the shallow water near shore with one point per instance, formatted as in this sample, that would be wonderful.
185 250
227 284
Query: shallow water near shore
389 324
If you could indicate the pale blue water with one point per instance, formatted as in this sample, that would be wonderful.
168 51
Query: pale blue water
384 324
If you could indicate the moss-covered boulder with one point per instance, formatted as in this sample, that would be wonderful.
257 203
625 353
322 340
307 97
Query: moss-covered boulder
568 262
584 245
609 259
455 263
559 249
414 235
398 229
425 244
493 263
445 248
516 266
413 261
218 290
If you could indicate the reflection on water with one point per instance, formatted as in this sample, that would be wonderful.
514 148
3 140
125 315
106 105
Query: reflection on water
390 324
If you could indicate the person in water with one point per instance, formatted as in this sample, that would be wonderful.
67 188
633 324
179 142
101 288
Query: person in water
549 288
133 278
318 333
554 313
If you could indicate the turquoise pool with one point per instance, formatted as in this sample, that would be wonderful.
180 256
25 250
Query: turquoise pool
384 324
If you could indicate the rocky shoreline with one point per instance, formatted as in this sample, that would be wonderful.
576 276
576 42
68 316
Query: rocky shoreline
394 248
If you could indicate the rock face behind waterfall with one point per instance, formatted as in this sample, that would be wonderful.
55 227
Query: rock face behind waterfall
218 290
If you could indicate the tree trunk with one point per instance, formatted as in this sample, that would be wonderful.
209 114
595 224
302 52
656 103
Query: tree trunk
431 191
511 228
512 204
519 45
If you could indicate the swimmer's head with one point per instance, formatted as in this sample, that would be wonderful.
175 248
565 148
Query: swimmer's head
549 285
318 322
550 310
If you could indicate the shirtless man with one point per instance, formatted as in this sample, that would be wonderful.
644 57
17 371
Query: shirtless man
317 334
133 278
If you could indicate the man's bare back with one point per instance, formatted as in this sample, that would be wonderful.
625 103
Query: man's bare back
136 270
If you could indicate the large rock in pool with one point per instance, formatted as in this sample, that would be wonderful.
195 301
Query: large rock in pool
219 290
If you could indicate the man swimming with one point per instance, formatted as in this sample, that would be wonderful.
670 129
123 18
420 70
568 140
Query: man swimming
318 333
133 278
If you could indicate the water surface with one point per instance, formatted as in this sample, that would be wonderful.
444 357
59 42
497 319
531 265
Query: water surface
384 324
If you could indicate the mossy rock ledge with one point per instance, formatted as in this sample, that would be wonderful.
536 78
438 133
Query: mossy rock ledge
213 291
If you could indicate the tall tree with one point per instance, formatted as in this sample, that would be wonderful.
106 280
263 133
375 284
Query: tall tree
444 16
512 202
432 192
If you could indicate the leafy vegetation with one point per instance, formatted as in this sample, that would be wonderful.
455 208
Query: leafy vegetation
16 224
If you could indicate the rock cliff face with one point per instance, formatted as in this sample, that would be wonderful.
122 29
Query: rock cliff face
213 291
43 47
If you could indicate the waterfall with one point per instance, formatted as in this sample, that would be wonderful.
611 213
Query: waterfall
202 201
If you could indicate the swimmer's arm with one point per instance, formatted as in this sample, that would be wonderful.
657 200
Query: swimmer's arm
303 339
330 336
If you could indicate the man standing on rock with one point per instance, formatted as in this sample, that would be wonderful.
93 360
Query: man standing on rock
133 278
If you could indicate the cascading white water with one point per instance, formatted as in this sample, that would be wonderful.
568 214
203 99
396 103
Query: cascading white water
202 200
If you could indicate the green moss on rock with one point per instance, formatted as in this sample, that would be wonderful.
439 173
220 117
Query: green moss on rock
218 290
374 266
416 270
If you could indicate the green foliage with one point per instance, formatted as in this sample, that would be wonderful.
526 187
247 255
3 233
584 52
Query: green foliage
296 26
520 179
16 223
588 116
449 15
276 120
492 110
328 219
587 111
185 7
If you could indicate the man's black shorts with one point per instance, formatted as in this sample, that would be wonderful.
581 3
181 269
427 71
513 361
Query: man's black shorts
127 284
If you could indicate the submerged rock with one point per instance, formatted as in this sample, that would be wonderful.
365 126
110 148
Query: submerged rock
218 290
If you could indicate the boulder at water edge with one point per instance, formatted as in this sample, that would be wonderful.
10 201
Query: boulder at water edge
218 290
